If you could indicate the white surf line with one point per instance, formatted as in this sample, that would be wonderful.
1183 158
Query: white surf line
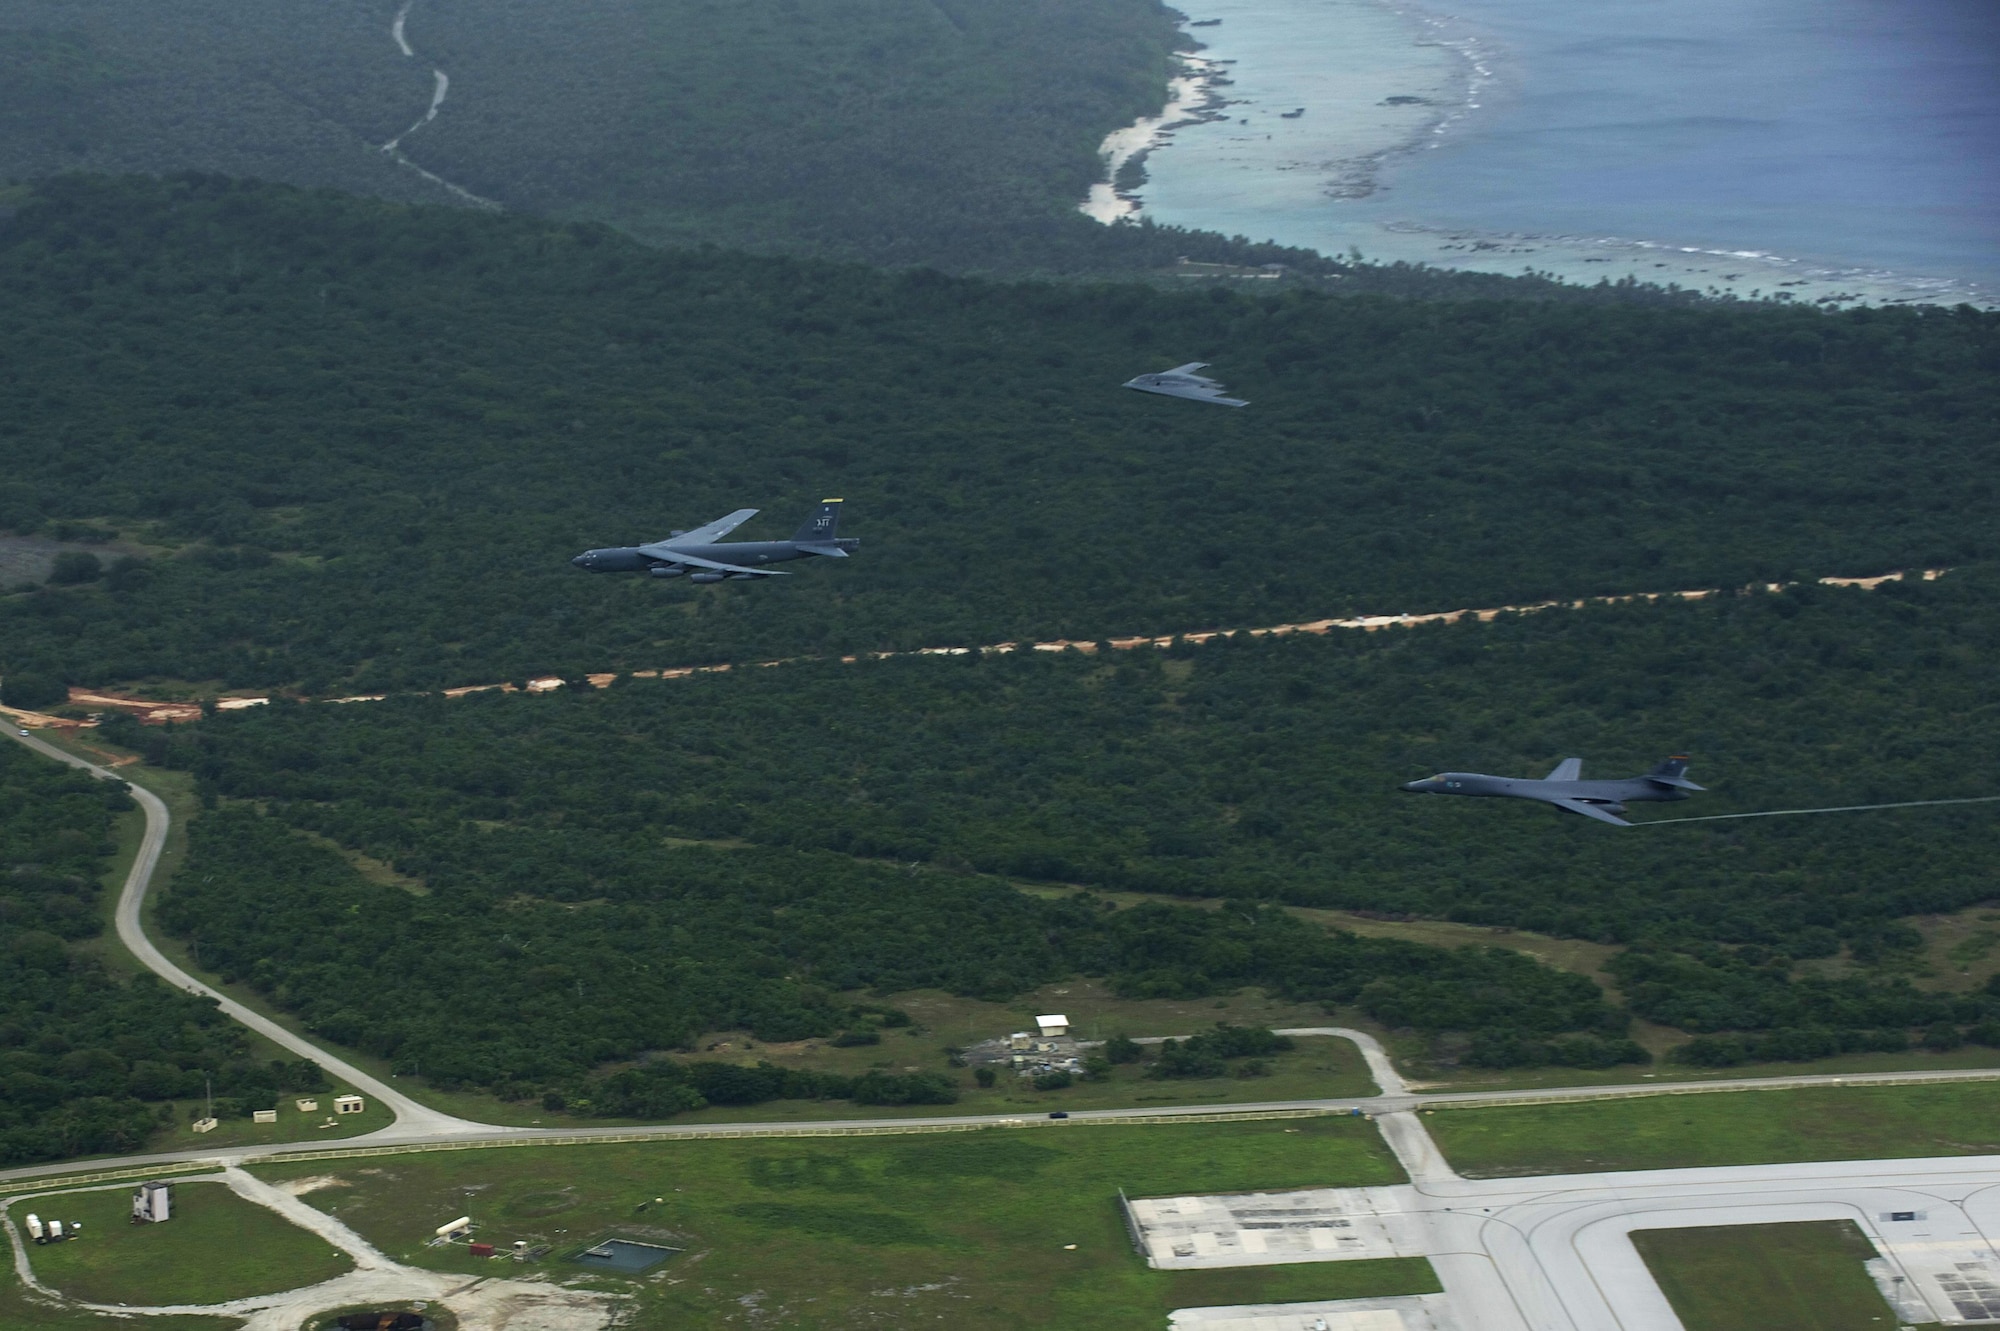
440 89
1838 808
1186 94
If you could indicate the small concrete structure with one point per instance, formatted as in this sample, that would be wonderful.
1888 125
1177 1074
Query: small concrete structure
347 1104
263 1116
206 1124
307 1106
1266 1228
1053 1025
1021 1039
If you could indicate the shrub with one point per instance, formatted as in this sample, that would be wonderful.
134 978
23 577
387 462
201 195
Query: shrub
27 688
76 566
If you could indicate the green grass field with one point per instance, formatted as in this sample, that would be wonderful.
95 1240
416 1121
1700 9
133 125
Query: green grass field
1801 1277
972 1229
1724 1128
217 1247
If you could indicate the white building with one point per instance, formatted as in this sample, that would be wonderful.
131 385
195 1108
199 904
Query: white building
152 1203
1053 1025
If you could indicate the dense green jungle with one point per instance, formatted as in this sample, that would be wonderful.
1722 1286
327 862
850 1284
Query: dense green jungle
339 445
955 133
620 869
90 1058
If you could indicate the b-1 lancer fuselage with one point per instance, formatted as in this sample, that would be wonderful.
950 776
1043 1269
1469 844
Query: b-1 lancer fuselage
1565 788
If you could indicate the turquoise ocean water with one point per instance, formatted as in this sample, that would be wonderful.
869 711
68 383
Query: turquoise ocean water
1824 148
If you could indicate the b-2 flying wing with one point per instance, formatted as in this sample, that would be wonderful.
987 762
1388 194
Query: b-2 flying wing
1182 381
1567 790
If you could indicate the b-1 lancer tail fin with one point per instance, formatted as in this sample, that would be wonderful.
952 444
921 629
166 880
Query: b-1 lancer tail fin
1673 772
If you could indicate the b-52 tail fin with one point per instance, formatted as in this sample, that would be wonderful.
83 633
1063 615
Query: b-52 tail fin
1673 772
822 527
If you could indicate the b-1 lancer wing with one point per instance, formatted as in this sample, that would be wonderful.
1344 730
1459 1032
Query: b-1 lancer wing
1182 381
703 549
1566 789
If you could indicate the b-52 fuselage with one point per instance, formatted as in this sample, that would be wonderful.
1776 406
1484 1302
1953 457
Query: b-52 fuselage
703 556
1566 789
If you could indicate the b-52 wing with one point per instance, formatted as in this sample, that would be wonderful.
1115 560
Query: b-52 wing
1589 810
714 531
672 555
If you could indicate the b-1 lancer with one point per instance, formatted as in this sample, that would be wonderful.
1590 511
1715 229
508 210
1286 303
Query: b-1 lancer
703 556
1182 381
1566 789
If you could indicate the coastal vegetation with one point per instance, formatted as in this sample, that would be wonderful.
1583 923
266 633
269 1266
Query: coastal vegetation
351 446
950 133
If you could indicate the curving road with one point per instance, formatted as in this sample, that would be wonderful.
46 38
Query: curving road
413 1120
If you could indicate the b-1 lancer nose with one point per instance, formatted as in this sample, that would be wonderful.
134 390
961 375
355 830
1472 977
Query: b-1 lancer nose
1421 787
581 561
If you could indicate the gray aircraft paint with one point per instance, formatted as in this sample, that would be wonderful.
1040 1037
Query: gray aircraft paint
703 556
1565 788
1182 381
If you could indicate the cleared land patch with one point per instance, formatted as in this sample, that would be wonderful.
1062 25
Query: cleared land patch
217 1247
1804 1277
973 1227
1742 1128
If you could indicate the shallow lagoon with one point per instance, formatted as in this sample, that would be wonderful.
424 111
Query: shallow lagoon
1821 149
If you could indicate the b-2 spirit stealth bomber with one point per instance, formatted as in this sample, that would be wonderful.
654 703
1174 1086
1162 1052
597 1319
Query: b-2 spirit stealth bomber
1565 788
1182 381
703 556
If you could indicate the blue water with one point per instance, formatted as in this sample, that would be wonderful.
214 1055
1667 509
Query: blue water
1852 142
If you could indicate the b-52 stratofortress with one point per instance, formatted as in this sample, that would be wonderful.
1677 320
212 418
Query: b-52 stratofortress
1182 381
1565 788
704 556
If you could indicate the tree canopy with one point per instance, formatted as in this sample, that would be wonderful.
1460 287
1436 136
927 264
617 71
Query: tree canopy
88 1056
354 445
